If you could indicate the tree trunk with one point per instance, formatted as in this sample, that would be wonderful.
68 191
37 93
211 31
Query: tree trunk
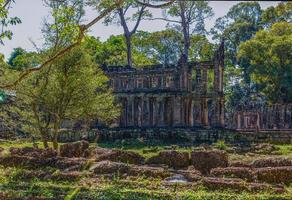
129 49
55 136
45 142
185 30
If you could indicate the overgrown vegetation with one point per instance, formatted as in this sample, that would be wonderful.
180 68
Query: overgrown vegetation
28 184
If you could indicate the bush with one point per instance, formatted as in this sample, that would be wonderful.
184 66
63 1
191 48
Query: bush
220 144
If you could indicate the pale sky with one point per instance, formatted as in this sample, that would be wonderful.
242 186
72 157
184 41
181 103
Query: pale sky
33 12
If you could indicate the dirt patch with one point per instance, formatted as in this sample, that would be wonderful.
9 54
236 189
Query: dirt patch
155 172
274 174
239 164
234 172
191 174
28 162
33 152
174 159
25 161
238 185
264 148
69 163
271 162
121 156
75 149
109 167
204 161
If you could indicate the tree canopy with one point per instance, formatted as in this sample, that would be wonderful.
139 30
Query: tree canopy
270 55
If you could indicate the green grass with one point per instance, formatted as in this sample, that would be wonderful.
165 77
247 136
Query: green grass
285 150
12 181
143 147
129 189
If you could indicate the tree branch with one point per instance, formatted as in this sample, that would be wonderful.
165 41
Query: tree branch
138 20
164 19
82 29
155 6
123 21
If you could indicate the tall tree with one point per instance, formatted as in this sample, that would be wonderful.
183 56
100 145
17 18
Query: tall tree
281 12
129 11
75 88
188 17
240 23
270 55
166 47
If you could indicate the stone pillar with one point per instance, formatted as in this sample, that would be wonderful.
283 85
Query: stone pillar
191 119
168 111
155 111
197 119
146 114
176 110
205 80
124 114
204 109
221 113
130 117
138 112
160 112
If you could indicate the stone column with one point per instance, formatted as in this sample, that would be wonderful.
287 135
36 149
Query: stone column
204 115
205 80
176 111
221 116
139 111
130 117
155 111
124 114
160 111
146 113
197 119
191 119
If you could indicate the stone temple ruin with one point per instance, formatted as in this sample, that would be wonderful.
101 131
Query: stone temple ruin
187 95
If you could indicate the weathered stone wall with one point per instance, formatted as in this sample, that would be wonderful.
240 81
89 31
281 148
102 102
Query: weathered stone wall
185 135
169 96
275 117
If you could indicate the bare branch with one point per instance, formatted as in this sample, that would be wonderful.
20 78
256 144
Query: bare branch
104 13
82 30
164 19
141 12
155 6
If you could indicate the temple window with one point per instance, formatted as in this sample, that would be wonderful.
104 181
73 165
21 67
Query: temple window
168 81
139 83
154 82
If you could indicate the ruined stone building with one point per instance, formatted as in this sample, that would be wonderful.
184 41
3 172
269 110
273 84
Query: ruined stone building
273 117
183 95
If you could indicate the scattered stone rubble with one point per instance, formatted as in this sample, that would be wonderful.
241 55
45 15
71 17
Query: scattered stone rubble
210 168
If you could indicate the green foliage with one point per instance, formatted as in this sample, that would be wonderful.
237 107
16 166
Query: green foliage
195 12
20 59
282 12
72 88
220 144
270 55
62 27
162 46
6 21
